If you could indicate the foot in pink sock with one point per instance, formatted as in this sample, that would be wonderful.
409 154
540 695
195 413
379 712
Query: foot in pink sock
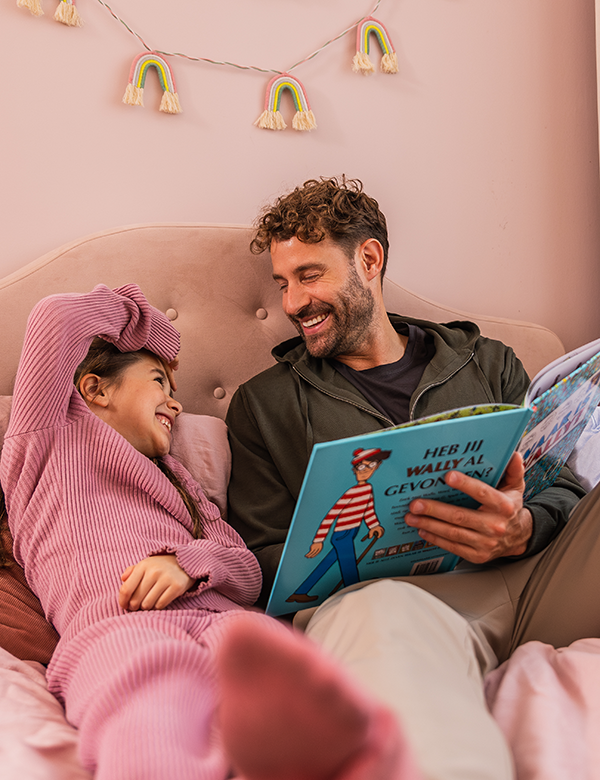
289 713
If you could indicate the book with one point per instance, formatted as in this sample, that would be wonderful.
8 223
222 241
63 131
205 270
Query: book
348 525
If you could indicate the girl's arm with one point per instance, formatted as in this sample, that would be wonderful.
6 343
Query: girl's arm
59 332
218 561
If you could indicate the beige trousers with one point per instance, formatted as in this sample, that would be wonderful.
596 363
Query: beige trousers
425 649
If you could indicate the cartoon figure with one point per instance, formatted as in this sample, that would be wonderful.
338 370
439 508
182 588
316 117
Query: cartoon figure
348 512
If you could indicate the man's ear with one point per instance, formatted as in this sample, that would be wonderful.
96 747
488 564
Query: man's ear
93 390
370 255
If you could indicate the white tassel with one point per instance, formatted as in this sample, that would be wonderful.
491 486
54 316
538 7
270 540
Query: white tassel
34 6
170 103
361 63
66 13
389 63
271 120
304 120
134 96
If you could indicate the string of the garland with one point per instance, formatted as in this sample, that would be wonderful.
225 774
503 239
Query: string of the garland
271 118
235 64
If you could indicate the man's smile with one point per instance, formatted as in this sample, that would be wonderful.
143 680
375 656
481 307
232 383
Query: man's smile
314 321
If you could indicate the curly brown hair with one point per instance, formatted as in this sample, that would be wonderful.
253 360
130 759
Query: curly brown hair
324 208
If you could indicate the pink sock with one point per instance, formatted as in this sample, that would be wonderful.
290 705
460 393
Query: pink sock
289 713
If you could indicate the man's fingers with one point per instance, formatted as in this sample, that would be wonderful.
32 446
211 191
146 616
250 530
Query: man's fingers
514 476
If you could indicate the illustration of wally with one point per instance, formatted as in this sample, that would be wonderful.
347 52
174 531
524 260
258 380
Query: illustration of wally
346 516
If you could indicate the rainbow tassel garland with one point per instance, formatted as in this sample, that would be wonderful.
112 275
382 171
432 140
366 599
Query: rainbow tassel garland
134 94
362 62
272 119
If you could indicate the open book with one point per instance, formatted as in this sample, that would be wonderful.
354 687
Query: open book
348 525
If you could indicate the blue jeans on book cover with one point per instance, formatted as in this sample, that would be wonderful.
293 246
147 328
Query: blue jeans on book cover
343 552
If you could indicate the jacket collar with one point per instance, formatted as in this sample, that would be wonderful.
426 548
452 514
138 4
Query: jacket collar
454 346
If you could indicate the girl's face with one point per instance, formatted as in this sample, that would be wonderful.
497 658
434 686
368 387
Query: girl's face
140 407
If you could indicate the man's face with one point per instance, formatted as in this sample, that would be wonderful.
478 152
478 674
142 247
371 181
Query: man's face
324 296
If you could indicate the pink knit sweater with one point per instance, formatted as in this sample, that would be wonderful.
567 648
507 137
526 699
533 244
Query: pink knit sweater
83 503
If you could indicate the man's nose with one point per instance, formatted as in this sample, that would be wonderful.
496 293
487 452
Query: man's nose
295 298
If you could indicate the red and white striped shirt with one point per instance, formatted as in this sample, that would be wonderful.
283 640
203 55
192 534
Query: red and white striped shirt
349 511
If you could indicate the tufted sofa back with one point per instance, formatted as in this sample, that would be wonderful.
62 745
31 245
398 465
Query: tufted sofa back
220 297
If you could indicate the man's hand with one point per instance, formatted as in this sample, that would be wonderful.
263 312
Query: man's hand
153 583
500 526
377 531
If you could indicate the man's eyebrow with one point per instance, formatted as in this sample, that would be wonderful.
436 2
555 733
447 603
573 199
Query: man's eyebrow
300 269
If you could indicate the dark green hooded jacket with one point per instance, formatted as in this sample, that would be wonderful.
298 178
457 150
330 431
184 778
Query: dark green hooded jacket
275 418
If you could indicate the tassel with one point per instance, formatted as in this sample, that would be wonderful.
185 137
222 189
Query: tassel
170 103
389 63
35 6
361 63
134 96
304 120
271 120
67 13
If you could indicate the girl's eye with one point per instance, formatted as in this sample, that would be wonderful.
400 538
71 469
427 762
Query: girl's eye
160 380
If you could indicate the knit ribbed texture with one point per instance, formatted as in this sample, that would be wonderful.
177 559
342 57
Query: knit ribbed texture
84 505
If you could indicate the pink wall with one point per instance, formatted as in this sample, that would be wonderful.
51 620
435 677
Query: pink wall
482 151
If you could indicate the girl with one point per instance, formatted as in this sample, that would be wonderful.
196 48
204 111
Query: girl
144 581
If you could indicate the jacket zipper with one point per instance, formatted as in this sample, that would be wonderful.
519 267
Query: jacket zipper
372 412
437 384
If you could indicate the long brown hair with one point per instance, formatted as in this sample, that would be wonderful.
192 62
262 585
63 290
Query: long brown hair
106 361
6 558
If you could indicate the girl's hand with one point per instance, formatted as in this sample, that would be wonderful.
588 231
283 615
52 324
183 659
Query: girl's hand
153 583
171 368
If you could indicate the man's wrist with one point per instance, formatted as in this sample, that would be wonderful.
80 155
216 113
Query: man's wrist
525 520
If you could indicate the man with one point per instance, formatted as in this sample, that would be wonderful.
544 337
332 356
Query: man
354 369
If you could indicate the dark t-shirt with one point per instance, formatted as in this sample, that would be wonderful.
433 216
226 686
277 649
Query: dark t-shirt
389 388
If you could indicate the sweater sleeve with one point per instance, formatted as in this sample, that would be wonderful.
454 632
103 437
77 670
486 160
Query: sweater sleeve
222 562
59 332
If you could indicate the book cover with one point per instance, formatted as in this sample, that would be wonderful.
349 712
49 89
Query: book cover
349 526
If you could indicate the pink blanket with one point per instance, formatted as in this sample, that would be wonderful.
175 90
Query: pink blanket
547 702
36 742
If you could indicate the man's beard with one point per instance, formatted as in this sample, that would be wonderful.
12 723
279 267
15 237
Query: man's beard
349 319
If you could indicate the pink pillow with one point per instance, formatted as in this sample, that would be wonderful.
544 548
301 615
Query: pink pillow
200 443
